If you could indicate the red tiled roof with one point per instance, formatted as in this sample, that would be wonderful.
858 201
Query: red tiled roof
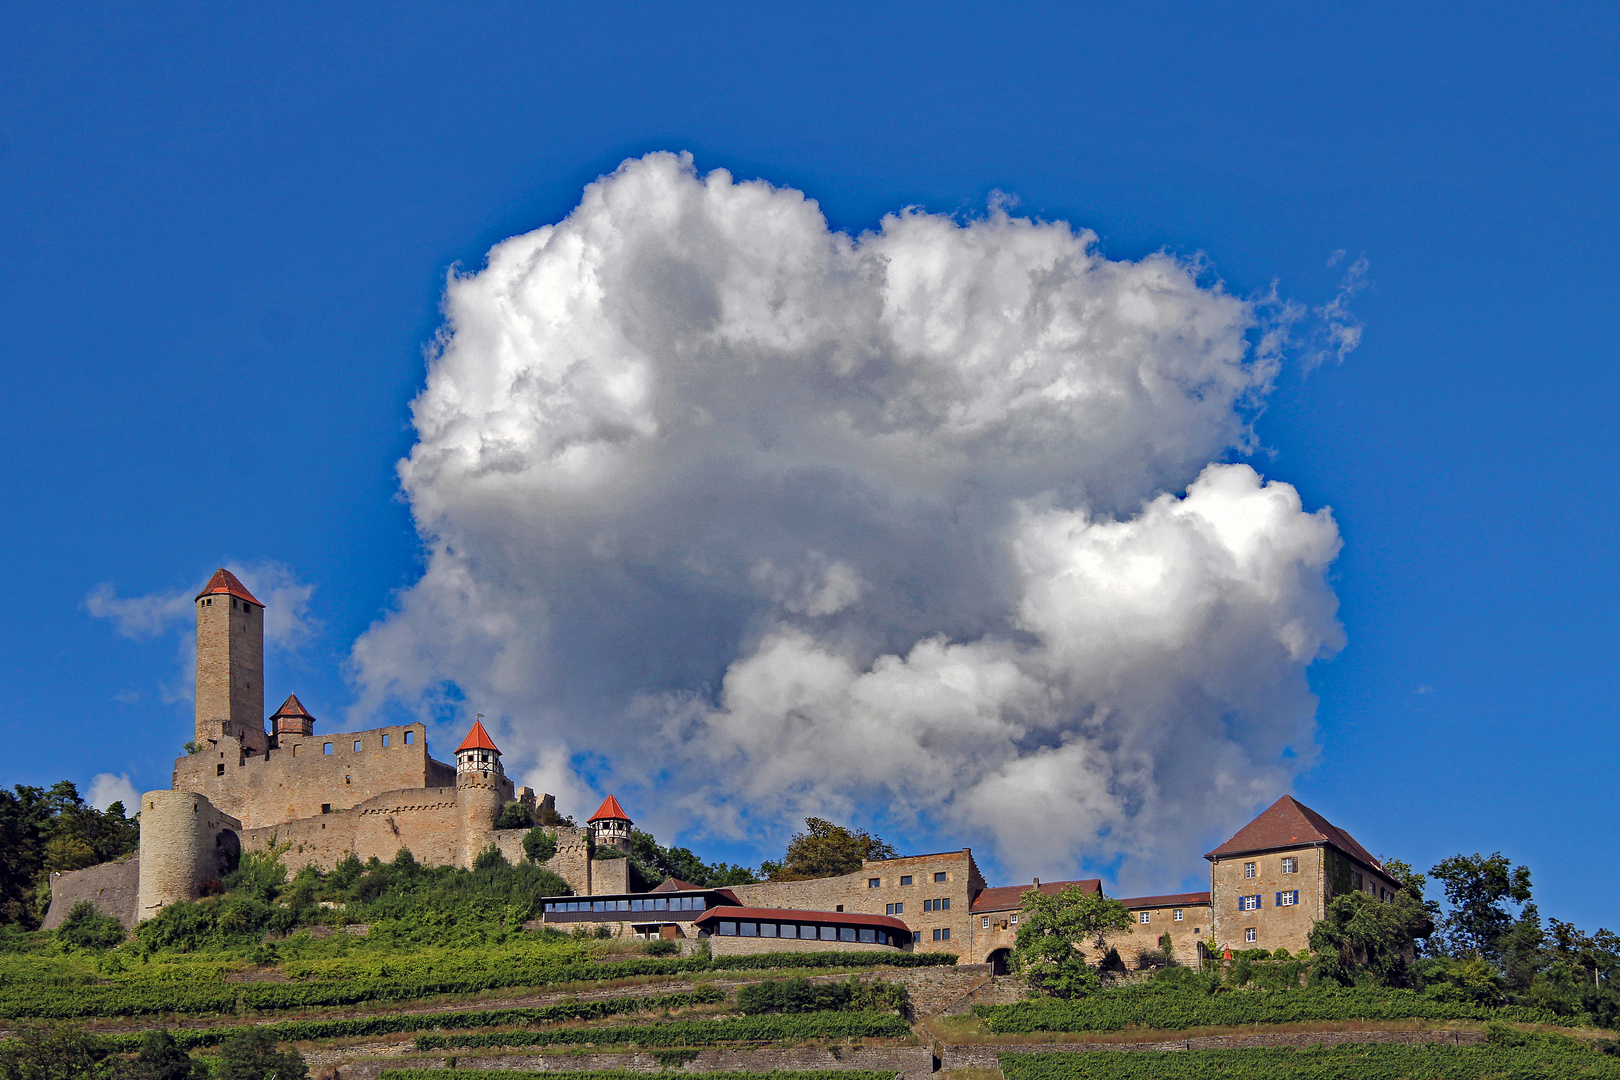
224 581
478 739
675 884
1183 899
1288 823
292 707
1008 897
610 810
841 918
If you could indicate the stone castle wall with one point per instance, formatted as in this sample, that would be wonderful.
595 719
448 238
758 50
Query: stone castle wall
113 887
297 777
185 840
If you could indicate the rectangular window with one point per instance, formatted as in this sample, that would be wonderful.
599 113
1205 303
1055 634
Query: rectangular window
1355 881
894 909
1013 919
1248 869
829 933
1249 903
905 879
940 876
326 808
748 929
846 933
1175 916
873 882
1288 899
944 904
767 929
385 740
1145 918
868 936
1249 935
1290 865
984 922
410 737
900 909
790 929
916 936
327 749
808 933
942 934
219 770
357 746
727 929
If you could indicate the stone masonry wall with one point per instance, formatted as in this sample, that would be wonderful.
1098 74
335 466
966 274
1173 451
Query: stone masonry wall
737 946
296 778
1275 927
113 887
230 667
421 819
906 1062
855 893
1195 925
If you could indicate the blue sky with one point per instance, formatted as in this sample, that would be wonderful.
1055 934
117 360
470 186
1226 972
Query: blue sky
224 240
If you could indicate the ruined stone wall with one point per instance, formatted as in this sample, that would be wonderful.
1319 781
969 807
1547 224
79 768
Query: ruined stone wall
610 876
424 820
113 887
908 881
297 777
572 862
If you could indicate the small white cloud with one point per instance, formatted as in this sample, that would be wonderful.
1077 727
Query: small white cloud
108 788
1338 329
819 586
139 616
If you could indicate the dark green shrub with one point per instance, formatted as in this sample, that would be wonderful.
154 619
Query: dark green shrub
540 845
490 859
160 1058
662 948
251 1054
514 815
87 928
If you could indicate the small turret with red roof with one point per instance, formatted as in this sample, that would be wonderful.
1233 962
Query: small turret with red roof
611 825
478 757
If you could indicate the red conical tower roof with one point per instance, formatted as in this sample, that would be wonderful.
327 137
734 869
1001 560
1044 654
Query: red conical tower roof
292 707
225 582
610 810
478 739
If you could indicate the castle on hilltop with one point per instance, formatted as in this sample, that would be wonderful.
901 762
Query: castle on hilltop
243 785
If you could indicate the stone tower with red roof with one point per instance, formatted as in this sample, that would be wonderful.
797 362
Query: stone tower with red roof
482 789
610 825
230 663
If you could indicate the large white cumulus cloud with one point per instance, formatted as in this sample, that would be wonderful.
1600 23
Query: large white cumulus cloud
778 520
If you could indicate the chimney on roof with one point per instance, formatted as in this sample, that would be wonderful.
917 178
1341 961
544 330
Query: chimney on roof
1037 882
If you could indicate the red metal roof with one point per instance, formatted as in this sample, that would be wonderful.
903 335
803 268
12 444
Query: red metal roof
1184 899
841 918
1288 823
610 810
478 739
1009 897
675 884
224 581
292 707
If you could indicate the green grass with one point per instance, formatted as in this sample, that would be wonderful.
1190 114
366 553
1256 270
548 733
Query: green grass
1546 1058
1178 1008
611 1074
831 1025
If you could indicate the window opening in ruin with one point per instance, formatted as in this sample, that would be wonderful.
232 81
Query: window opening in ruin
345 779
326 808
219 770
357 746
385 740
327 749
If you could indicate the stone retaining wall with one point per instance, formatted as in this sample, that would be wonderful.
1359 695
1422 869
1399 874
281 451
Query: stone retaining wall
907 1062
983 1055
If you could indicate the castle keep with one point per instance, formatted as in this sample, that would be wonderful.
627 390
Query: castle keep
244 785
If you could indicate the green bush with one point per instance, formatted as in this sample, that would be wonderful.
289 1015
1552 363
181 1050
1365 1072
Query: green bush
514 815
489 859
663 948
87 928
612 1074
540 845
803 996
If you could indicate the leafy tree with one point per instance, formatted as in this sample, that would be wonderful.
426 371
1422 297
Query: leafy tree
1363 937
52 1052
539 845
514 815
87 928
251 1054
548 816
50 829
825 850
1053 929
1479 889
161 1058
656 863
490 859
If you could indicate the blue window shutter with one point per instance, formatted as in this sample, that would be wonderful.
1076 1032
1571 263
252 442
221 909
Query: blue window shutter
1279 901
